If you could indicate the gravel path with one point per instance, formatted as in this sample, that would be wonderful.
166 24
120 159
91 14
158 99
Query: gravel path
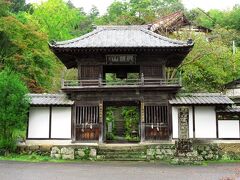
115 171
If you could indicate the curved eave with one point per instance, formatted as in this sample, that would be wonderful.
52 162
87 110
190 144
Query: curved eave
70 62
104 49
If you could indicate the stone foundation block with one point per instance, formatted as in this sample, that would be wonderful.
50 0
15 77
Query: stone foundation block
67 151
55 150
68 156
93 153
81 152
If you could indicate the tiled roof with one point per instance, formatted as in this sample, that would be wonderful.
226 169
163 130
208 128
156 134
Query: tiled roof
169 22
201 99
49 99
121 37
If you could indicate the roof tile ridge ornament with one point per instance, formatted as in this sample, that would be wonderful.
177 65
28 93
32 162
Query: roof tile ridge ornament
95 31
122 27
174 41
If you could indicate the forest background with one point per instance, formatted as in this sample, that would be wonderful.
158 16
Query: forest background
26 30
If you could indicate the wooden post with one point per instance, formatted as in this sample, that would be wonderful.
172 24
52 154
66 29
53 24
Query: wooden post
101 121
73 123
142 79
100 80
142 122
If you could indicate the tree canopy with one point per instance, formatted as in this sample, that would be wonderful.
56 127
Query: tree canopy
26 29
13 108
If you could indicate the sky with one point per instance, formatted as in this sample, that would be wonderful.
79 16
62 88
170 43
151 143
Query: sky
189 4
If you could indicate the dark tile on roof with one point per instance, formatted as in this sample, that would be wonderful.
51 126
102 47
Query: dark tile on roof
201 99
49 99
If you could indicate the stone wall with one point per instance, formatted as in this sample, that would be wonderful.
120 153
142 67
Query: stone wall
161 152
71 153
166 152
61 152
199 153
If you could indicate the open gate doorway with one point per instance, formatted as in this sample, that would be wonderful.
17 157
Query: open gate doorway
122 122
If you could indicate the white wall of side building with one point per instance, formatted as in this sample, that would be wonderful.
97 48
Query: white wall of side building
205 122
175 123
228 129
61 122
233 92
42 125
38 125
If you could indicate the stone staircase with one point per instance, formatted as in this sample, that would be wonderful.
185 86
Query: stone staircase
127 153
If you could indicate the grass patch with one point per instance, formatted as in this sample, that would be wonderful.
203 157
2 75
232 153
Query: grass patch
33 158
222 161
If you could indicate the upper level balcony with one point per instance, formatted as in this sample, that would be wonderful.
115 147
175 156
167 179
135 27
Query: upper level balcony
124 83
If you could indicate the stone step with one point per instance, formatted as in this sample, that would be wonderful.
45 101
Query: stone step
121 153
124 158
122 148
124 155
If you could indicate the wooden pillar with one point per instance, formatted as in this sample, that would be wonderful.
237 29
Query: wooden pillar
73 123
142 122
79 71
101 122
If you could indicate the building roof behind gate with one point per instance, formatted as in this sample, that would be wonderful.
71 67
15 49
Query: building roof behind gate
49 99
201 99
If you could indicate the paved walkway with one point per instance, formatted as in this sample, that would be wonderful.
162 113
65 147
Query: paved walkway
115 171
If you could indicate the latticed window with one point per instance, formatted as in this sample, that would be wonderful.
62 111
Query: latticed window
156 114
87 115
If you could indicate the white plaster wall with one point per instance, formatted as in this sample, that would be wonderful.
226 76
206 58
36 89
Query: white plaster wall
205 122
190 123
228 129
233 92
175 123
38 126
61 122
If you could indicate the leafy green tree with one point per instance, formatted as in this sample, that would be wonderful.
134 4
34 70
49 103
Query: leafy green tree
25 50
165 7
139 11
208 67
232 18
13 108
19 5
4 7
94 12
57 19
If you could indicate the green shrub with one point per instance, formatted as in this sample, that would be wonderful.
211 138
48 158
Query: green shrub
13 109
7 145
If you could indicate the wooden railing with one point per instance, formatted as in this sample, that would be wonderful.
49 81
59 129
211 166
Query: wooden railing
122 83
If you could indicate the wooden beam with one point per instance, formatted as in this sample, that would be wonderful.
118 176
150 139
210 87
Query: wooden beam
142 122
101 125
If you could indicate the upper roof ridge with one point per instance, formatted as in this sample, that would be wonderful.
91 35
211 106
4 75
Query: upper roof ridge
122 27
